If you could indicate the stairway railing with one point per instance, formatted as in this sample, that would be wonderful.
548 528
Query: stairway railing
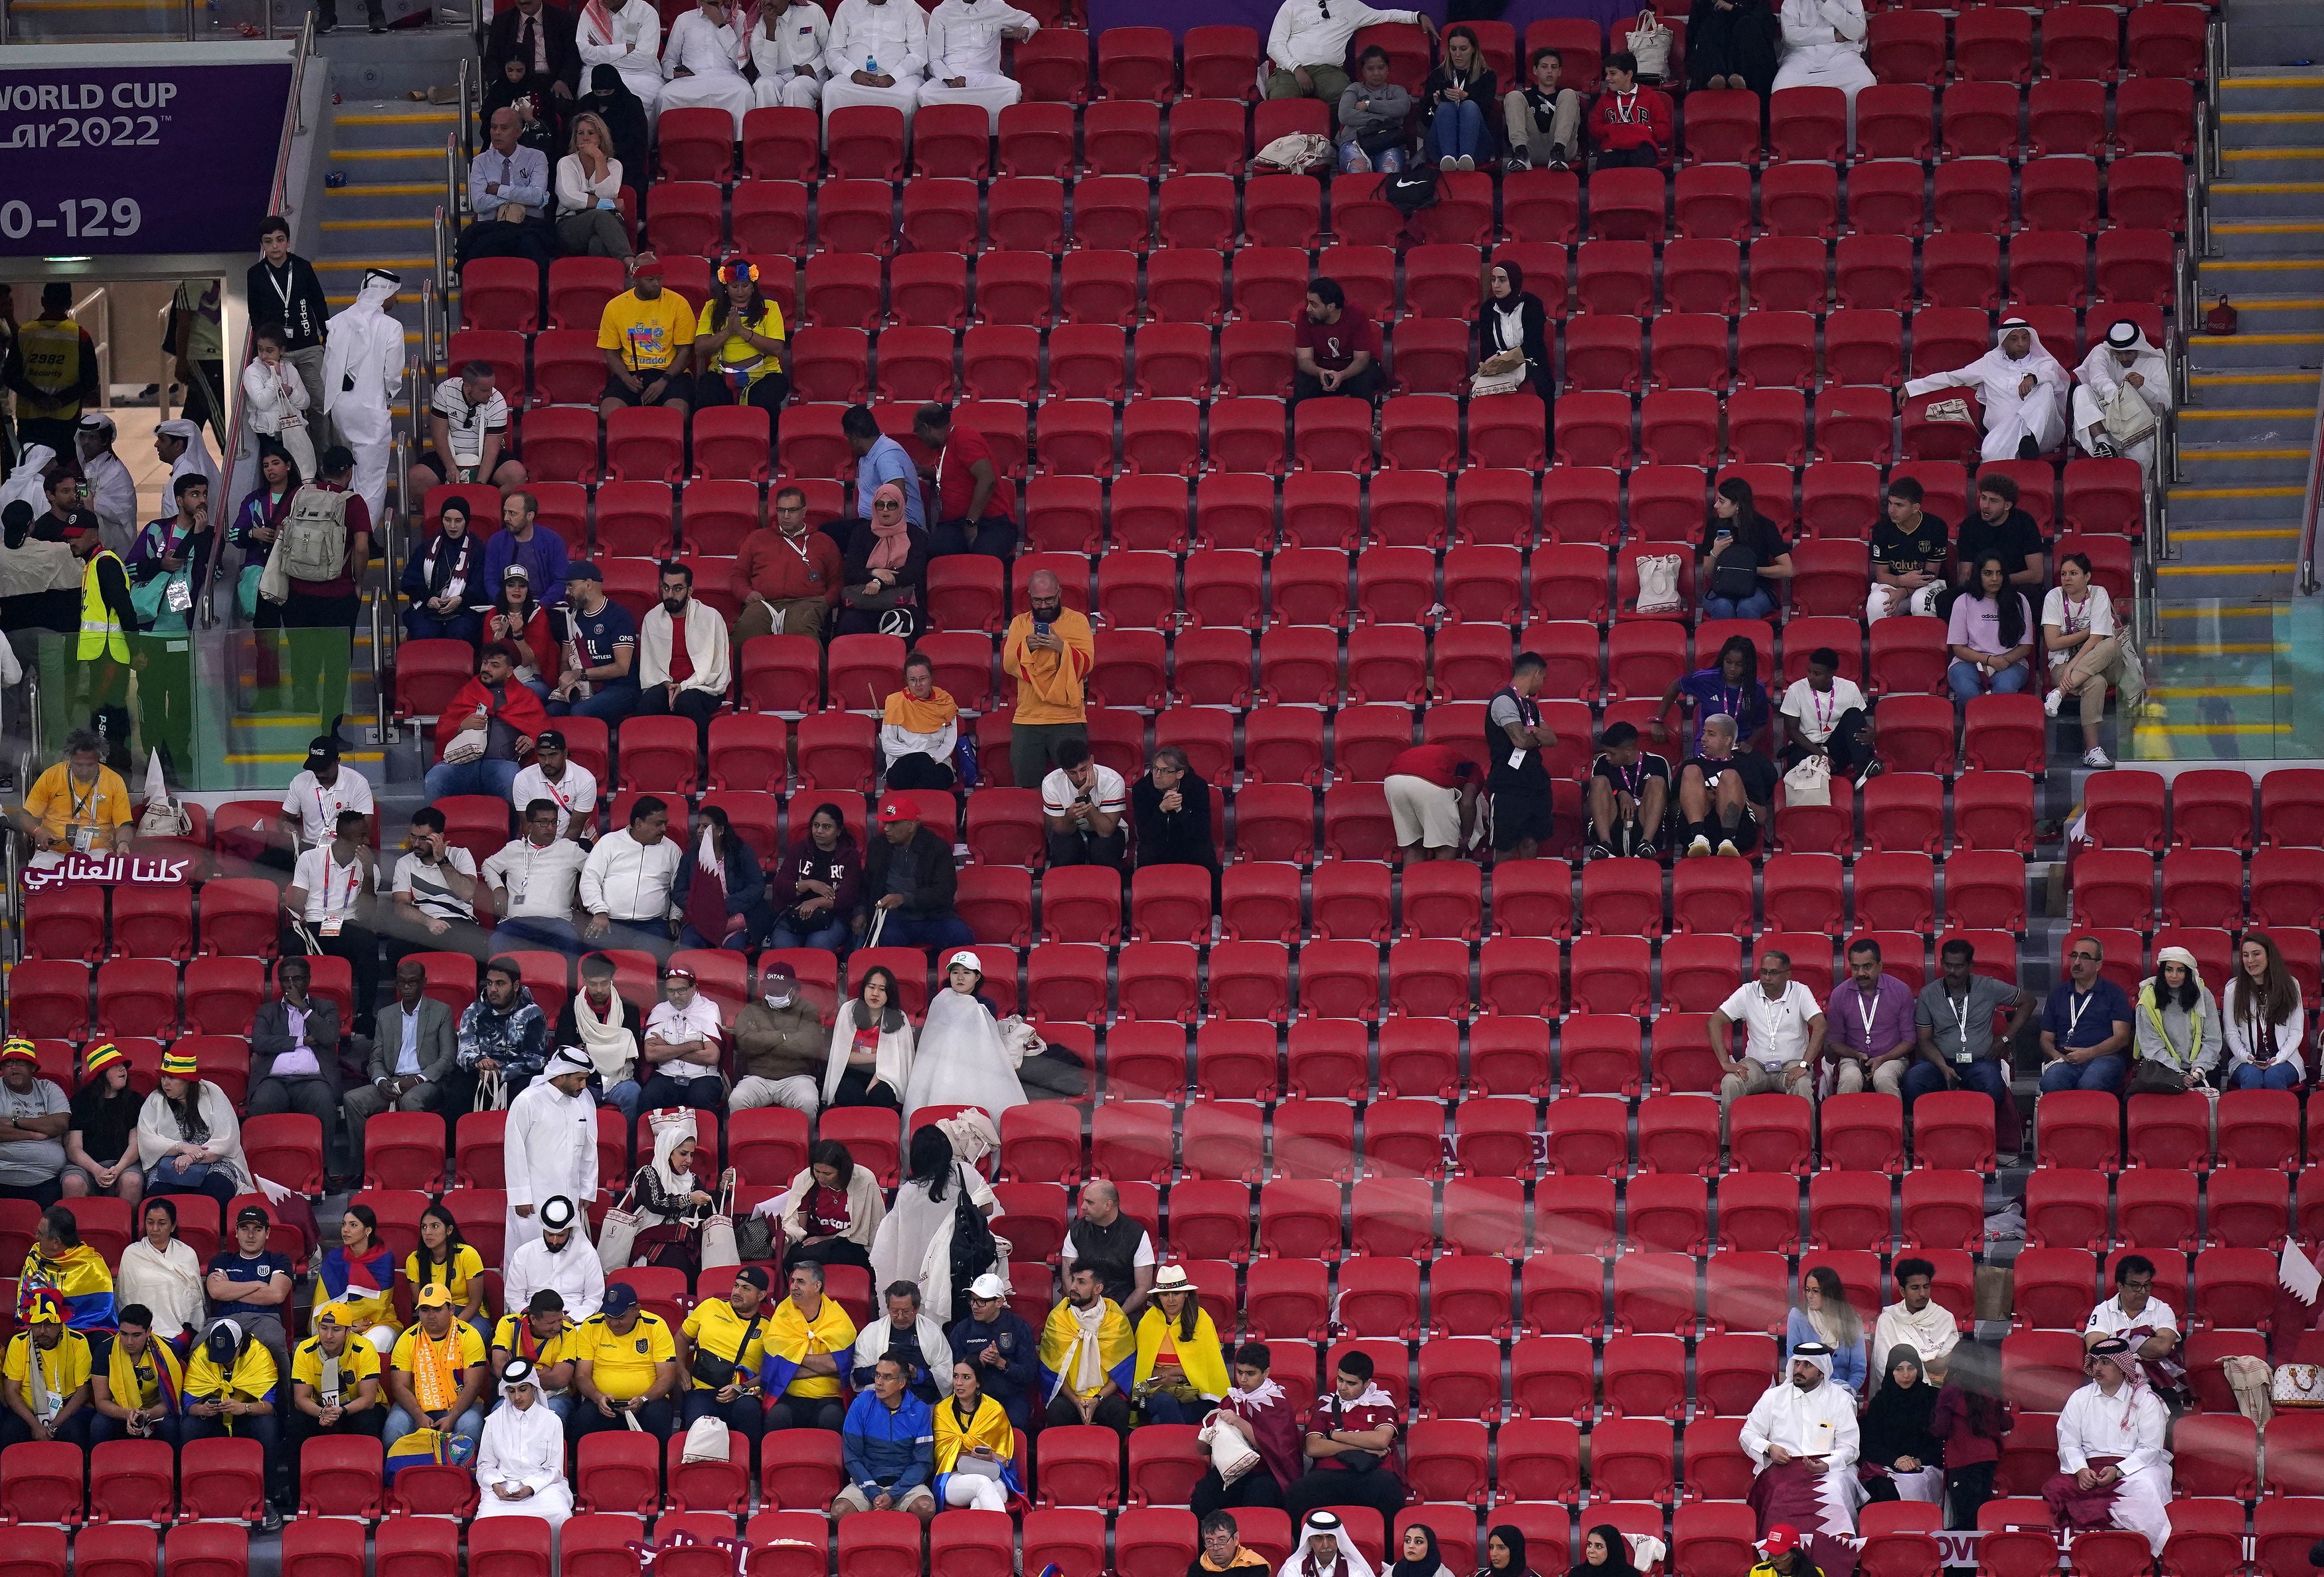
2308 507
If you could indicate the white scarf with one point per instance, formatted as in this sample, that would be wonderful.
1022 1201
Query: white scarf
612 1049
678 1186
1089 1369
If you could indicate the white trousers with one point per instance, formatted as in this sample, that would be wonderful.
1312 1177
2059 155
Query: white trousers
725 91
2088 415
988 90
974 1492
798 1092
791 92
2038 416
370 480
840 93
1833 65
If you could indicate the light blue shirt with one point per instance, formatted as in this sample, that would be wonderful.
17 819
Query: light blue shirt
888 462
523 178
407 1059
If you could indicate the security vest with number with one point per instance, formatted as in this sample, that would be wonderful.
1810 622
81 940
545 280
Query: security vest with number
101 634
51 357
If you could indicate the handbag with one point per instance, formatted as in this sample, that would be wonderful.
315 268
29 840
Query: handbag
2129 419
2297 1386
718 1238
1231 1456
619 1234
492 1091
1658 583
717 1372
151 599
2220 319
977 1467
973 1251
1509 382
2152 1077
755 1239
1293 153
1809 782
164 818
465 746
1650 45
1947 411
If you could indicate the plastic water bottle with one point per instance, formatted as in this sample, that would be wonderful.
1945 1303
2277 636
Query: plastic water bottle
871 65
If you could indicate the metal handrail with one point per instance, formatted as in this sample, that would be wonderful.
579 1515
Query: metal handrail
99 300
442 244
467 109
2307 511
452 174
278 198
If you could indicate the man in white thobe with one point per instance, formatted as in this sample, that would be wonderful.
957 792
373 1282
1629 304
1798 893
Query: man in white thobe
701 65
1917 1320
878 53
787 48
965 40
2022 388
112 491
625 35
2113 1471
551 1143
181 445
520 1453
362 372
560 1258
2121 373
1802 1438
1823 47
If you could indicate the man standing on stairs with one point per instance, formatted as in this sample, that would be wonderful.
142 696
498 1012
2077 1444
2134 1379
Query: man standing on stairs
327 17
324 608
2022 388
282 288
2124 394
363 368
625 35
52 368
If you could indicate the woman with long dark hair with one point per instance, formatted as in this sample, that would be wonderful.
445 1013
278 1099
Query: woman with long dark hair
1742 555
1730 686
1972 1421
2264 1021
2174 1027
1990 634
255 531
1182 1369
871 1059
812 891
741 348
720 888
518 617
835 1209
445 1259
920 1241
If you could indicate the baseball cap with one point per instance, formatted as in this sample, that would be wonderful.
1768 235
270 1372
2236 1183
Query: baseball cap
584 571
679 972
755 1276
324 748
988 1285
1782 1540
250 1212
435 1297
621 1298
898 808
777 977
964 959
550 739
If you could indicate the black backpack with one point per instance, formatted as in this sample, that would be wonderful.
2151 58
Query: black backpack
1411 190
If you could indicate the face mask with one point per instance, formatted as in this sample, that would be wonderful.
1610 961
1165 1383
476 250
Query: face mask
775 1002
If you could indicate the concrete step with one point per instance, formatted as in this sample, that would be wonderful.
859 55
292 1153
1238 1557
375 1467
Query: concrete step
2225 582
413 198
2246 389
2270 311
377 167
2208 502
2266 92
2245 352
2256 200
2243 464
392 124
2290 162
58 22
2261 276
2218 545
2279 237
2260 426
388 68
2248 128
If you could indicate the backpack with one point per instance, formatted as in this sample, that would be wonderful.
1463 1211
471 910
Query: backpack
1410 190
314 542
1737 572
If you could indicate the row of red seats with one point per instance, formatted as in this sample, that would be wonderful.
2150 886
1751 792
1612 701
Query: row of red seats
1836 500
1442 279
1125 136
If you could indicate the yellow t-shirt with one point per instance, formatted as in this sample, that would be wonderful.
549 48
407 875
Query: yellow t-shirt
65 1365
624 1365
508 1336
359 1361
471 1351
714 1327
650 334
61 805
466 1263
738 352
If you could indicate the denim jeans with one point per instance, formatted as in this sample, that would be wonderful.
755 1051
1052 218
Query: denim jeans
623 1097
2103 1072
401 1424
1968 681
1457 131
1925 1078
833 937
418 624
2277 1075
931 931
540 931
485 777
1759 604
611 702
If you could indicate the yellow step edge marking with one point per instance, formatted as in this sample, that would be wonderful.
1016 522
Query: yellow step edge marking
426 224
433 112
2216 455
2205 340
2248 155
2249 413
399 189
2220 690
386 154
2252 117
2258 264
2224 380
38 5
2249 534
2277 304
2247 185
2256 227
2228 648
322 265
2185 569
2279 80
2190 730
2239 492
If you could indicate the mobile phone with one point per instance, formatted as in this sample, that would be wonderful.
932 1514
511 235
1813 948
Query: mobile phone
1040 627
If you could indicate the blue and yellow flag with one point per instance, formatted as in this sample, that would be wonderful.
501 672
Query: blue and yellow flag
1060 1357
78 1277
790 1337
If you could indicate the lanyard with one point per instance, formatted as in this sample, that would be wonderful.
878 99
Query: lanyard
355 880
1824 705
1625 107
2075 626
1631 776
1960 1017
2077 1004
281 287
1867 1012
82 803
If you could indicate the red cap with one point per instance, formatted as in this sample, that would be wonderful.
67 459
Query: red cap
1782 1540
898 808
647 265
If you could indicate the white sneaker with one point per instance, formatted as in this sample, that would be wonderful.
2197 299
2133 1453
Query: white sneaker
2094 757
1727 846
1464 164
2052 701
1448 163
1698 846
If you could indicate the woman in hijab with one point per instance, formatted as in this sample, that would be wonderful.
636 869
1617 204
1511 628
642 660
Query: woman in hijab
672 1203
871 1061
520 1453
1325 1550
540 124
1824 1314
1901 1453
2176 1028
885 570
1505 1552
1605 1552
720 888
609 98
1731 44
915 1242
438 581
1513 336
960 1059
1416 1554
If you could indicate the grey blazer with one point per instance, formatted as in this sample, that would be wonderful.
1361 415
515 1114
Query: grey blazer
270 1037
437 1043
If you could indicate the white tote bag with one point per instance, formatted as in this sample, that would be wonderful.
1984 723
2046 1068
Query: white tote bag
618 1235
1658 583
1650 43
718 1232
1810 782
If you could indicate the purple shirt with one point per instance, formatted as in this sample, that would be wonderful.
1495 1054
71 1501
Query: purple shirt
1891 1021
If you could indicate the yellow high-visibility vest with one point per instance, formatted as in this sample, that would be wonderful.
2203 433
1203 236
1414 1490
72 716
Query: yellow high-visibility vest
101 634
52 354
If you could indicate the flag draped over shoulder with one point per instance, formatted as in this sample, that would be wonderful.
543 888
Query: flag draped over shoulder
79 1277
1064 1365
791 1337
